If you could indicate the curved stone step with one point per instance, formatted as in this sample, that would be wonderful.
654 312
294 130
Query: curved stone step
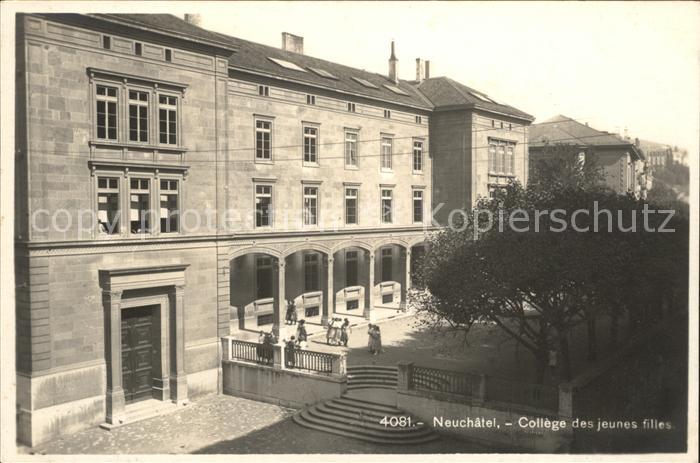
366 422
366 405
309 420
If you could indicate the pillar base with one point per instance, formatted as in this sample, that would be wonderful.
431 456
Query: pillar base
178 388
116 406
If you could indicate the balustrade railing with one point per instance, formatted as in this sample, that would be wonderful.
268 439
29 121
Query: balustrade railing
309 360
453 382
251 351
515 392
274 355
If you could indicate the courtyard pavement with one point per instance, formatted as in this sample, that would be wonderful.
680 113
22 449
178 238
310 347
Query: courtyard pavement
221 424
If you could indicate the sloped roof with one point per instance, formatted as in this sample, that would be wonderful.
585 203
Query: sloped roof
254 57
565 130
445 93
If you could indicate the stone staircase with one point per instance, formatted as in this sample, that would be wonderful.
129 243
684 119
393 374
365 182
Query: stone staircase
372 376
360 419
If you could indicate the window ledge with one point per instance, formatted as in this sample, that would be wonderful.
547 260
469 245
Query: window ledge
96 163
315 165
351 167
118 144
264 161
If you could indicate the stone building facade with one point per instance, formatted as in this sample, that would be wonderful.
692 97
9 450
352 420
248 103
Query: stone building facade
173 184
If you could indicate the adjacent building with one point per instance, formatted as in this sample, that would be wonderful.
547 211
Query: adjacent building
173 184
622 161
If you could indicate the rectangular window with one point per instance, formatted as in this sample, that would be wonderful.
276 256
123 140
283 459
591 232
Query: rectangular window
108 205
138 49
168 55
351 149
417 206
510 159
387 264
417 156
310 205
387 151
263 205
387 114
311 145
106 42
311 272
311 99
351 268
419 120
263 140
263 277
501 156
138 116
351 196
387 206
169 206
106 112
351 107
139 200
167 110
263 90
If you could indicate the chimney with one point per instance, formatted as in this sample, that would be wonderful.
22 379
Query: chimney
427 69
293 43
393 65
420 70
194 19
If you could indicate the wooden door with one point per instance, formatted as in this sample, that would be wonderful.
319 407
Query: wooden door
138 351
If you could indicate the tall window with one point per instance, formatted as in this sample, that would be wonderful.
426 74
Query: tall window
417 206
351 149
387 206
311 272
351 196
310 205
169 206
106 112
263 140
387 148
263 205
501 156
138 116
351 268
417 156
108 205
263 277
140 210
167 114
311 145
387 264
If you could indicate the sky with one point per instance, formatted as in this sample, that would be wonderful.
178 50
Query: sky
631 65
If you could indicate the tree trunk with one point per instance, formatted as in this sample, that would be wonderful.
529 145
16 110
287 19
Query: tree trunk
592 339
565 355
614 330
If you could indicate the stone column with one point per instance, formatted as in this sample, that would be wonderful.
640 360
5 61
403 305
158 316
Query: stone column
369 307
178 380
566 401
405 376
329 306
280 305
113 330
161 382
